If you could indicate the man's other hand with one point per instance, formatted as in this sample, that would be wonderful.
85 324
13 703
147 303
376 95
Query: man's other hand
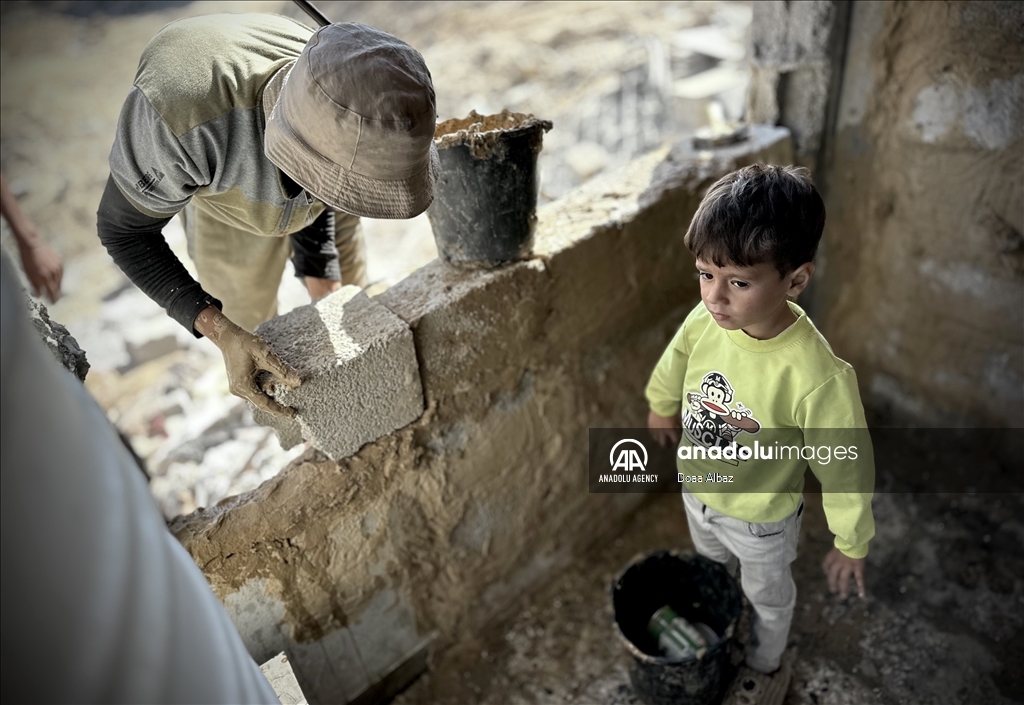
319 288
839 568
245 356
664 429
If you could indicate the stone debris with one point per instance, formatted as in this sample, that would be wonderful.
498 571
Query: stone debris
725 43
58 340
152 339
709 83
587 159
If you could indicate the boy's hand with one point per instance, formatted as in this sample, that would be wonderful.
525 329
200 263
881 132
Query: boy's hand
839 569
664 429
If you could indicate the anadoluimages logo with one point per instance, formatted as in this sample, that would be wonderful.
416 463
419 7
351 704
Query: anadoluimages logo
628 459
618 462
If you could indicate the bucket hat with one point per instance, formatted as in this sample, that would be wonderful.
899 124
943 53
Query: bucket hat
352 122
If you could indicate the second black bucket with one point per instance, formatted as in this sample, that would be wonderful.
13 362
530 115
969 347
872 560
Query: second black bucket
698 589
485 203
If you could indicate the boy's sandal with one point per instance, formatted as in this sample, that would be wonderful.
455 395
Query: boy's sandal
752 687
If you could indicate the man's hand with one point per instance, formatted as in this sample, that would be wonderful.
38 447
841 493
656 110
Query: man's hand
664 429
245 356
44 269
319 288
839 569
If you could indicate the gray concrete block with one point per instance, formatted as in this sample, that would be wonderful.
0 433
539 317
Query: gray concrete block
278 672
358 363
795 69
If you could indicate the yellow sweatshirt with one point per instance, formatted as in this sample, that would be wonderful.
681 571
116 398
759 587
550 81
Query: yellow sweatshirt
756 413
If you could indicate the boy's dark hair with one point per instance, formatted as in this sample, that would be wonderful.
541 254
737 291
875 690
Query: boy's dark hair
759 213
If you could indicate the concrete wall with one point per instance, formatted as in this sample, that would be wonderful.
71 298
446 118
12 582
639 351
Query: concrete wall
351 566
796 60
922 266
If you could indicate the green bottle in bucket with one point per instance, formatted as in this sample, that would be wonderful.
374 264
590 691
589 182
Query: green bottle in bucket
677 638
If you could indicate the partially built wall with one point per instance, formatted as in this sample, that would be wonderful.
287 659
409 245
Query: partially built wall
354 566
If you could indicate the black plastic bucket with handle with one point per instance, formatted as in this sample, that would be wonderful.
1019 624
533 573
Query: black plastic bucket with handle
699 590
484 211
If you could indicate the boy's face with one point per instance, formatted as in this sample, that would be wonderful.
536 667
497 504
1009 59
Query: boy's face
751 298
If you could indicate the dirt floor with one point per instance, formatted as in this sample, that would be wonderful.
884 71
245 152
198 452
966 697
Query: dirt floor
942 623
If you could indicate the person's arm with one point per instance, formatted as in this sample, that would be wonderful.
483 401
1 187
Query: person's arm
832 417
152 177
136 243
43 266
315 256
665 391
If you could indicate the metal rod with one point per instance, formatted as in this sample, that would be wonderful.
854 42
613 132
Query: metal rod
310 10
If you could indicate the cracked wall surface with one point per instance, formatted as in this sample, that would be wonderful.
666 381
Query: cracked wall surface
922 265
435 528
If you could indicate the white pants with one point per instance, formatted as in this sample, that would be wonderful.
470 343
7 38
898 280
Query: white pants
764 553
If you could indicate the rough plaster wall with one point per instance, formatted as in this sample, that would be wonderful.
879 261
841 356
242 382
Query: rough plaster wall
451 518
922 285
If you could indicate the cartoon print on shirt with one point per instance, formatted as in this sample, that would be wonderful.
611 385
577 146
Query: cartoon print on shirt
709 421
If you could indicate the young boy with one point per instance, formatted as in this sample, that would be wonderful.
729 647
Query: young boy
746 369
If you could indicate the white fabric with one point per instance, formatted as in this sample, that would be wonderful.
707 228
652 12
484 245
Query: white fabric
99 602
764 552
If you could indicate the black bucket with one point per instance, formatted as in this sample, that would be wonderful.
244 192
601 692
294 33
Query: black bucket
485 203
699 590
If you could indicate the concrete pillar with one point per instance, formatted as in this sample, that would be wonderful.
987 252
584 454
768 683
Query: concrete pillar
796 63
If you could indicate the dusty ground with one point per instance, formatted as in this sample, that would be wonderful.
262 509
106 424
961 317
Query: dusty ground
605 73
942 624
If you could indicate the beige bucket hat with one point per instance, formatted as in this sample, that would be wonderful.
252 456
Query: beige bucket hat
352 122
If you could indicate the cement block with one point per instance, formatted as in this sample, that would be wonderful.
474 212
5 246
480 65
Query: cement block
796 68
278 671
358 363
476 330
